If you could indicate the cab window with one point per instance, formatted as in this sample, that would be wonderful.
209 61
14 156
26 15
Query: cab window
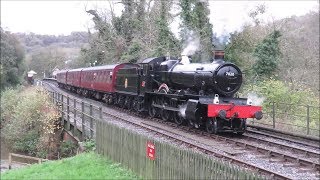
145 69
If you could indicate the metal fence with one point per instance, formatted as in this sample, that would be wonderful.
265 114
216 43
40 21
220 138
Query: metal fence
301 119
131 149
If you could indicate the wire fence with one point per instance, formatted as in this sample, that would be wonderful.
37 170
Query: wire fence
301 119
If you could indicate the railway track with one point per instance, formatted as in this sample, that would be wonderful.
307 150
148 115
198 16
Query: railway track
292 156
305 161
314 144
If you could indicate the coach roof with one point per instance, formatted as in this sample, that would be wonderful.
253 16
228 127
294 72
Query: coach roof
100 67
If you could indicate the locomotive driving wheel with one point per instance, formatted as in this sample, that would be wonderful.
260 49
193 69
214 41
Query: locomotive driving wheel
178 119
161 100
212 126
152 110
165 115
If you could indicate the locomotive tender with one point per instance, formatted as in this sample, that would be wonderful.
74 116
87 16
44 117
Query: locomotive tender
200 95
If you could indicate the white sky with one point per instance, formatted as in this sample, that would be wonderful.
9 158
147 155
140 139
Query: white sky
63 17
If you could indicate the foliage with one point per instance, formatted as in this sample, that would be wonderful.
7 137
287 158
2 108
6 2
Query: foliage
46 59
279 91
33 41
68 148
82 166
89 145
268 55
290 102
46 52
166 42
298 44
194 16
141 31
28 121
12 65
9 101
27 143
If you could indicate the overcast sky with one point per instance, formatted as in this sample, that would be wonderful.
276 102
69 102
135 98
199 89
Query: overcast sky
63 17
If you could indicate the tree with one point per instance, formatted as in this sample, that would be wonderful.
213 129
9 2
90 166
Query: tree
195 21
167 43
46 59
12 60
268 54
141 31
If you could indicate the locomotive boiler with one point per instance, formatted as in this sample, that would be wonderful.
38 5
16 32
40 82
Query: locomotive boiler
217 77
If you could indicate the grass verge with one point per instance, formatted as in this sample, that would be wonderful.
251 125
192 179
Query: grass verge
82 166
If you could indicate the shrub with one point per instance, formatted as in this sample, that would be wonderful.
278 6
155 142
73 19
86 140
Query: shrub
89 145
290 100
28 119
27 143
68 149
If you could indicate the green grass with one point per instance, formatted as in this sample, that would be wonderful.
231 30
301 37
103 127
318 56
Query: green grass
83 166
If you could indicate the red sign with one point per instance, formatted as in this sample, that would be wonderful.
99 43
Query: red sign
151 150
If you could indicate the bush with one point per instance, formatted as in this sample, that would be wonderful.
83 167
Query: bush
290 101
27 143
280 92
68 149
89 145
28 119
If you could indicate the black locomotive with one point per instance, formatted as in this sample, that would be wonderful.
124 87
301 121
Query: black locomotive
198 94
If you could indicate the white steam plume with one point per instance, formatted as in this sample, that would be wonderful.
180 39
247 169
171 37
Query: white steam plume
256 100
192 45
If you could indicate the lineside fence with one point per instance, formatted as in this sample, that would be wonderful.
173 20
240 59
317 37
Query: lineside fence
300 119
147 157
165 162
78 117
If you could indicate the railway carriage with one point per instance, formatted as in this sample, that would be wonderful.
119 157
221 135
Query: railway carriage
73 80
62 78
98 80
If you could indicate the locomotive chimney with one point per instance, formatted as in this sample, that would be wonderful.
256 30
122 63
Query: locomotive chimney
218 54
185 59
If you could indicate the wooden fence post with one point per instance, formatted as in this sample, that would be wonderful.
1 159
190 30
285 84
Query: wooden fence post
83 122
74 116
273 116
100 113
308 119
62 110
10 160
68 113
91 122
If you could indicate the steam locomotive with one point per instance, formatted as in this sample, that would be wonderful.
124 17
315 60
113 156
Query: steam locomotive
200 95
